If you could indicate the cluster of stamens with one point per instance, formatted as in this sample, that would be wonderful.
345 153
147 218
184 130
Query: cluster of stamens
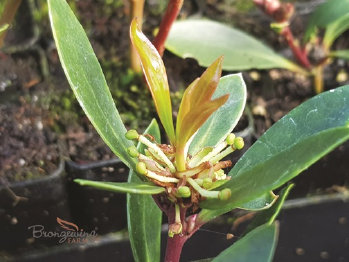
204 171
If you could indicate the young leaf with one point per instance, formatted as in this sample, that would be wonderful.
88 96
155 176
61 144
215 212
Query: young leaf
295 142
196 106
335 29
324 15
222 121
3 28
155 74
241 51
258 245
341 54
143 216
133 188
86 78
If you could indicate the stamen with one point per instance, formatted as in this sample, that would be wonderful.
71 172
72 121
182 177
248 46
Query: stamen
222 154
158 151
201 191
149 161
142 169
214 152
193 171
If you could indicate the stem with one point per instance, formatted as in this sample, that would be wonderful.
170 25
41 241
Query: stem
318 79
180 159
174 248
8 14
137 7
172 11
296 50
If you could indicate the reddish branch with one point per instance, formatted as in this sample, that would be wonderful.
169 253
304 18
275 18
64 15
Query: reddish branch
172 11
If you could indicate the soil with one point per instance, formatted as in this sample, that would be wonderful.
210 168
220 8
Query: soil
50 101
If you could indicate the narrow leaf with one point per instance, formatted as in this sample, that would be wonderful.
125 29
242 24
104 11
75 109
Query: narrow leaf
324 15
260 203
295 142
3 28
155 74
240 51
258 245
86 78
144 217
341 54
222 121
268 216
196 106
335 29
133 188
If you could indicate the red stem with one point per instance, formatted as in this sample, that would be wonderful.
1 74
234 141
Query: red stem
300 55
172 11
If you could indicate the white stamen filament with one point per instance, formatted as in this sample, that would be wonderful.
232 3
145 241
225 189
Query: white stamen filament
214 152
201 191
164 179
222 154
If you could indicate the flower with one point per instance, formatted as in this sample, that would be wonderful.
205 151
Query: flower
187 179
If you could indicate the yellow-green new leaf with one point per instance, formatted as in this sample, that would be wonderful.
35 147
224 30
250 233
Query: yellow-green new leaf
155 74
196 106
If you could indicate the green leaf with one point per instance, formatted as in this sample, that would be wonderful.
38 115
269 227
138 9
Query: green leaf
223 121
144 216
268 216
290 146
341 54
335 29
133 188
324 15
258 245
240 51
263 202
86 78
155 74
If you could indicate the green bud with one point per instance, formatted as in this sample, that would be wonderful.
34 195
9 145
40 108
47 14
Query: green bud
279 27
132 151
230 139
207 182
183 191
132 134
239 143
224 194
141 168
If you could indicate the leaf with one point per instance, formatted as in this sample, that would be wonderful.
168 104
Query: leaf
196 106
335 29
67 225
341 54
295 142
143 216
324 15
263 202
123 187
86 78
268 216
155 74
3 28
222 121
258 245
240 51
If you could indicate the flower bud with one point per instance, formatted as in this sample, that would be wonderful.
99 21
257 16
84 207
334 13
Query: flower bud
141 168
174 229
239 143
131 134
207 182
132 151
230 139
183 191
224 194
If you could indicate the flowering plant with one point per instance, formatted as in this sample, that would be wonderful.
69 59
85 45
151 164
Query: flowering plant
186 178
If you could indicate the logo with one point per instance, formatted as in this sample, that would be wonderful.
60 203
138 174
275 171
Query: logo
70 233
